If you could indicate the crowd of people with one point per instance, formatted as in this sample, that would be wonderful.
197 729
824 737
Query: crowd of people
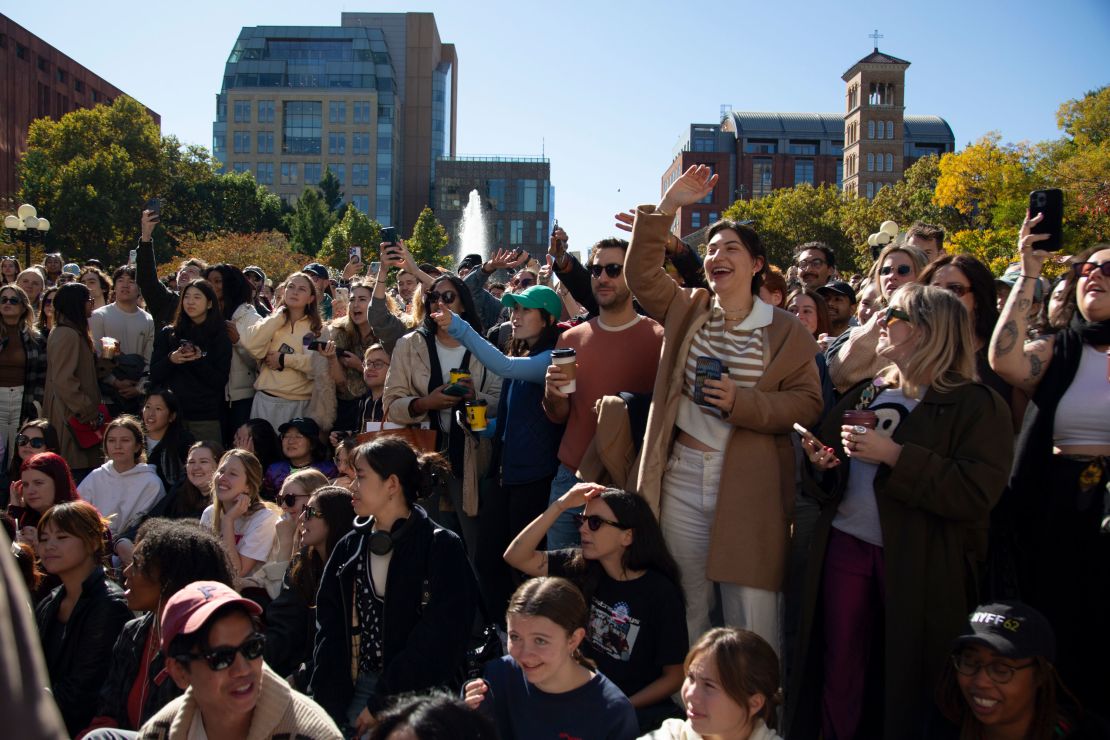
656 492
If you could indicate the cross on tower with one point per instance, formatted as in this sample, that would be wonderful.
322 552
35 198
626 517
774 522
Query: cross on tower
876 36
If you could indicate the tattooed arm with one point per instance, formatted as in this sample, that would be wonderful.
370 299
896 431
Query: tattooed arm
1019 363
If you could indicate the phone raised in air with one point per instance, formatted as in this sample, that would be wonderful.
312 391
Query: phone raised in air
1050 203
355 254
707 368
154 205
389 234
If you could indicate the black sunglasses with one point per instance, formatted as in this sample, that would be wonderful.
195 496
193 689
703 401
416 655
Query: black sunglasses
902 270
311 512
446 297
222 658
34 442
11 300
525 282
612 269
594 522
1082 269
289 500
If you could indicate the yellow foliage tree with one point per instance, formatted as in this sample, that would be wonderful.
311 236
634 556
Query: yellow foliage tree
270 250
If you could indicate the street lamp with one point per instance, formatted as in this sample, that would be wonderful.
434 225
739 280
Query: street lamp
25 225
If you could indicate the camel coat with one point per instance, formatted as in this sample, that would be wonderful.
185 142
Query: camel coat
71 389
751 528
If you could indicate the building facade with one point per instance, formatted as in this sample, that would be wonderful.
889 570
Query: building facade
516 195
362 99
38 81
867 148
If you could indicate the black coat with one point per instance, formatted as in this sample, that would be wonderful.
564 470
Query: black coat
291 632
127 659
200 385
77 670
425 633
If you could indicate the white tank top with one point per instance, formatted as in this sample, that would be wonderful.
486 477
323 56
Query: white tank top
1083 416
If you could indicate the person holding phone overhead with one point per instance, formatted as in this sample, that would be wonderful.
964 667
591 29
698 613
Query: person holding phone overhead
387 326
740 438
1058 488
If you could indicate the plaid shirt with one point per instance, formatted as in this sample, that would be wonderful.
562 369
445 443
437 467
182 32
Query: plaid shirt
34 374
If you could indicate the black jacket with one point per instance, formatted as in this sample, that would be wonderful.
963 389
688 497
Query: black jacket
201 384
425 632
168 456
77 668
290 632
161 302
127 658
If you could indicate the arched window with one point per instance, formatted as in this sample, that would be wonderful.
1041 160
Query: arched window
870 190
870 129
890 163
890 129
870 162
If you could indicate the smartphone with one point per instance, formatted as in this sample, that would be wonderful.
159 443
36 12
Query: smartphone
555 227
389 234
807 435
132 256
356 254
155 205
374 267
285 349
316 345
706 368
456 389
1049 202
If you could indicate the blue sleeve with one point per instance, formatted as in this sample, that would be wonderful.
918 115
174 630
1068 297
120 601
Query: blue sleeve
529 369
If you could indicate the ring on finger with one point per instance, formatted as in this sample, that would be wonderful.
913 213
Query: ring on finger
859 429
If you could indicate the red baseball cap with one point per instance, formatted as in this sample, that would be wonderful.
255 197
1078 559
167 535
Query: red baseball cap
188 609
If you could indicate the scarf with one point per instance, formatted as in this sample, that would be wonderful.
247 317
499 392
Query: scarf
1095 333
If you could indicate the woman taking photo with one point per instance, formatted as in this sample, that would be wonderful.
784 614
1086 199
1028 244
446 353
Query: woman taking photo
80 620
351 337
1058 485
245 524
637 632
289 371
22 363
397 599
731 690
237 308
918 458
193 359
167 440
419 375
740 437
545 687
71 377
168 557
290 626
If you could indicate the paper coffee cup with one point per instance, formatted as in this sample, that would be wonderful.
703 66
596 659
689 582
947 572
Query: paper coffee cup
567 362
476 414
108 347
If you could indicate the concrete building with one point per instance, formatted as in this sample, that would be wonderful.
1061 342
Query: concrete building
372 100
38 81
517 198
862 150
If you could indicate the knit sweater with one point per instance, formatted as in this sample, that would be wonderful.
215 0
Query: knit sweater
280 712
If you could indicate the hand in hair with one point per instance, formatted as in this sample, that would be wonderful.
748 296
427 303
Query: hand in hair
578 495
474 692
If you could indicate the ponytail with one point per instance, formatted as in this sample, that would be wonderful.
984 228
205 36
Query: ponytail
557 599
420 474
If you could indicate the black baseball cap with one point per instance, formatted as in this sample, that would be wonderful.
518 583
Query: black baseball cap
1011 629
304 425
317 270
839 288
470 261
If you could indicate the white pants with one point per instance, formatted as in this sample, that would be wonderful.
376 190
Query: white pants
276 410
11 409
690 487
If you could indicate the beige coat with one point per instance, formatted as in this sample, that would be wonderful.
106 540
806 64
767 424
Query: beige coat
71 390
751 528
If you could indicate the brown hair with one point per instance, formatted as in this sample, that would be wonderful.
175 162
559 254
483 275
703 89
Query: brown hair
818 302
775 282
747 667
131 424
27 318
311 309
557 599
83 521
927 231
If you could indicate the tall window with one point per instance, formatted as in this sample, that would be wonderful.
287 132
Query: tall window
870 190
340 172
890 129
289 173
695 219
241 167
337 143
265 142
265 111
360 174
870 129
890 163
312 173
516 231
870 162
242 111
360 143
361 111
527 192
337 111
839 172
264 173
362 203
761 177
803 171
301 127
242 142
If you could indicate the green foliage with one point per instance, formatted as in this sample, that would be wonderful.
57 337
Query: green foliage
1087 121
329 190
309 222
355 229
428 240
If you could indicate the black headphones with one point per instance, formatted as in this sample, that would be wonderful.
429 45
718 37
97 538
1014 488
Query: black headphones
382 542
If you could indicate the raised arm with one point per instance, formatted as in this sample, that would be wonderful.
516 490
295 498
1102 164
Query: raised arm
523 553
156 295
530 369
1022 364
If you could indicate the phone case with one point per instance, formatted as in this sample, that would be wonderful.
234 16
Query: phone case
706 368
1050 202
285 349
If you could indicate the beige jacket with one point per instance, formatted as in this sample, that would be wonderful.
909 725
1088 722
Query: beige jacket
71 389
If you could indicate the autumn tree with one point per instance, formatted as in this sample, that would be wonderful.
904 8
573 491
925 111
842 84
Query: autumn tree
428 240
355 229
270 250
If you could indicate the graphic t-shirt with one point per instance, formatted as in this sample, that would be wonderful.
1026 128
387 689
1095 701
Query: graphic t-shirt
636 627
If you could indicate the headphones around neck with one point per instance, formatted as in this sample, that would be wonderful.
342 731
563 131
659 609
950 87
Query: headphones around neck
382 542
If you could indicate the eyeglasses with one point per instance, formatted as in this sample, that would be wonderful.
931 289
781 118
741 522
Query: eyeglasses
311 512
525 282
222 658
957 289
997 671
377 364
289 500
815 262
11 300
902 270
1085 269
22 440
892 314
594 522
446 297
612 269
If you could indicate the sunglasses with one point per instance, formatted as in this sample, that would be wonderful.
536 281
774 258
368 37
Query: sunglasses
311 512
289 500
11 300
37 443
594 522
446 297
996 671
1082 269
902 270
612 269
956 289
892 314
48 301
222 658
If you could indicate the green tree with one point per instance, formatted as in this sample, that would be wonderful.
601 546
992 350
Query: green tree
329 190
309 222
355 229
989 182
428 240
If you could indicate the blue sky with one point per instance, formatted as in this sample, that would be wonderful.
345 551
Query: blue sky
606 88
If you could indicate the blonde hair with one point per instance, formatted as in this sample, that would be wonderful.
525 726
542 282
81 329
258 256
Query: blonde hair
253 471
27 319
311 309
944 358
917 257
308 479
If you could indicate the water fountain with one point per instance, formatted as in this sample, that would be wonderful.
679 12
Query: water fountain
473 229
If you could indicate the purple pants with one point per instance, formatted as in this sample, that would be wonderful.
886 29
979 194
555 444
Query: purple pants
854 591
